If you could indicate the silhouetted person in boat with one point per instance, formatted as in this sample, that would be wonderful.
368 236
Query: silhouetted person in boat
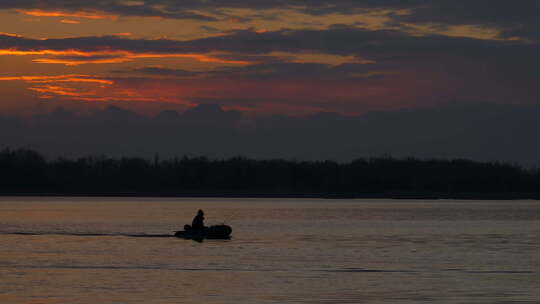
198 221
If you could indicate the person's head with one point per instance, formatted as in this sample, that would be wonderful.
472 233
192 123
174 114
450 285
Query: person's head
200 212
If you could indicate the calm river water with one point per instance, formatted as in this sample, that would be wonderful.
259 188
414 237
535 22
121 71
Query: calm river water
90 250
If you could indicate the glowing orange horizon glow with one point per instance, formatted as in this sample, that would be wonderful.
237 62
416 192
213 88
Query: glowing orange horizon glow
81 14
85 88
117 56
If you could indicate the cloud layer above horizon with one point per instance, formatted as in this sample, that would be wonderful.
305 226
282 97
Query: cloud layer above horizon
483 132
289 57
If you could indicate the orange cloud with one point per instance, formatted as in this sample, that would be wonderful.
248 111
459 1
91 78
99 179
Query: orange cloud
72 62
86 15
59 78
108 94
72 52
80 87
73 57
57 90
10 34
199 57
74 86
69 21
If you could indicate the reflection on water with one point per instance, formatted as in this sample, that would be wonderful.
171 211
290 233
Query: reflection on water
103 250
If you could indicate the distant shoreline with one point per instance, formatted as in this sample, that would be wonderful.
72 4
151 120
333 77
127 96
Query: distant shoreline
28 173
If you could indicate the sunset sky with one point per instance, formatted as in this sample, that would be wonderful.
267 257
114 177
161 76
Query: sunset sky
293 57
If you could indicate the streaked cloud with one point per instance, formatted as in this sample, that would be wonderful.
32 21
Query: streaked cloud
10 34
81 14
514 20
69 21
100 50
75 86
76 78
299 55
88 88
342 68
314 63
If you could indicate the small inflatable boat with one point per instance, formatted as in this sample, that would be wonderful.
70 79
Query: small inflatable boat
212 232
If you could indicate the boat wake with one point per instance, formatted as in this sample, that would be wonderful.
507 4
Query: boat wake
90 234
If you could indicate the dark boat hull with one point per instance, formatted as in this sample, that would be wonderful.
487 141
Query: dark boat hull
212 232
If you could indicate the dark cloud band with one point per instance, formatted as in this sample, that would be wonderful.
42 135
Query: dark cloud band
513 19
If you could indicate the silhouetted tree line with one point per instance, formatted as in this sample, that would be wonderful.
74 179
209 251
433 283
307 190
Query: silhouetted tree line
25 172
